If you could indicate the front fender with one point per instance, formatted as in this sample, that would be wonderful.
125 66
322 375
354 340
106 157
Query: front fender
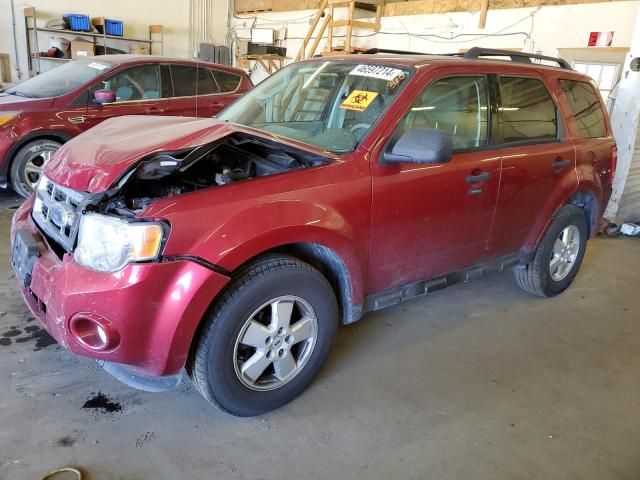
228 226
278 224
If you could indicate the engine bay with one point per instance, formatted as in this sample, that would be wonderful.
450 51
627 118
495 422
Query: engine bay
235 158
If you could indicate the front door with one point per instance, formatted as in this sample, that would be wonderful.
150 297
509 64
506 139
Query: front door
431 219
138 91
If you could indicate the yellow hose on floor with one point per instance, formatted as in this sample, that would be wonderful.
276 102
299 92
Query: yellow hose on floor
52 473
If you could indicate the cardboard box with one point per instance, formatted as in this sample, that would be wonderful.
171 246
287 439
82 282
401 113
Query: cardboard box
82 49
139 49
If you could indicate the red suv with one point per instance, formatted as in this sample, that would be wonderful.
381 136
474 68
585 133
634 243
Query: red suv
40 114
233 247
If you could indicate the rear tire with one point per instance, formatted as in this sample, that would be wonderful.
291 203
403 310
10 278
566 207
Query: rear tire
556 262
266 338
28 163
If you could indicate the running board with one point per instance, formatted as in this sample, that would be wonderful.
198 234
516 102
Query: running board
393 296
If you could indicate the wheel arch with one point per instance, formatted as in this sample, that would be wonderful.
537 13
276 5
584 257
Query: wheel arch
54 135
587 201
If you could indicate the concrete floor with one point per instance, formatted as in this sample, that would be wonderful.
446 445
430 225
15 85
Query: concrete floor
479 381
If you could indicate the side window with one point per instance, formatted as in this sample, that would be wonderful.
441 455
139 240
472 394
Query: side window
135 83
585 107
457 105
184 80
206 84
527 112
228 82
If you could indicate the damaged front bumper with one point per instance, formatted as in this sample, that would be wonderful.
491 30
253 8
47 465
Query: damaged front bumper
140 320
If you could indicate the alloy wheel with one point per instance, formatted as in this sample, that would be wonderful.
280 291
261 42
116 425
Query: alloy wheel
275 343
564 253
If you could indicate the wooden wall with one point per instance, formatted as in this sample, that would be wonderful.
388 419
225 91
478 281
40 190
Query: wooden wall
400 7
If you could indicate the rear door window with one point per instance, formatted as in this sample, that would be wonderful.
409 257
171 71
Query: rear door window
585 107
206 85
184 80
456 105
527 112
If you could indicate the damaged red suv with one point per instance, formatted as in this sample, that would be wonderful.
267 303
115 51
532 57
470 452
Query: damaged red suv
232 248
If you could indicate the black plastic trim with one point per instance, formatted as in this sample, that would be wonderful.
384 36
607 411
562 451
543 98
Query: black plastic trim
200 261
395 295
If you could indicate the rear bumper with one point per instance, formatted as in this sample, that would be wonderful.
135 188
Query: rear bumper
152 309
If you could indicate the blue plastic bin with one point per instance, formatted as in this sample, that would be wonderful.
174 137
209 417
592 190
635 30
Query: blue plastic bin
114 27
77 22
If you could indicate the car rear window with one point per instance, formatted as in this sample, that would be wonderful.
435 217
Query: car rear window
527 112
585 107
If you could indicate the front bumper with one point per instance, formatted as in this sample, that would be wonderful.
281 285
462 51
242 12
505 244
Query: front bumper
154 308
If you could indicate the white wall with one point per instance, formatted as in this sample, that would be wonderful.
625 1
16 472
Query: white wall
544 30
136 14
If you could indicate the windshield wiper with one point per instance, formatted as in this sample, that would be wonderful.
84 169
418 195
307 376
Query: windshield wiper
19 94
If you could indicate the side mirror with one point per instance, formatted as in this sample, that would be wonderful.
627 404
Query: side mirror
420 145
104 96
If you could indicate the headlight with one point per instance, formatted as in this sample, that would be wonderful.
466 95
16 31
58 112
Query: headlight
6 116
107 244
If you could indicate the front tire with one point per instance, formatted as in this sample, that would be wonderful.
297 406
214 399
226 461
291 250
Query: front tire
559 255
28 163
266 338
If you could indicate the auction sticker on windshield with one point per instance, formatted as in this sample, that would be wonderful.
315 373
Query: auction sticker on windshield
376 71
359 100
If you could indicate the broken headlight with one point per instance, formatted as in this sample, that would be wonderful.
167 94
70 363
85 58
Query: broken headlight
107 244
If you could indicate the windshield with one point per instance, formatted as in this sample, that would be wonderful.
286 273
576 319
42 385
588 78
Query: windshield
331 104
60 80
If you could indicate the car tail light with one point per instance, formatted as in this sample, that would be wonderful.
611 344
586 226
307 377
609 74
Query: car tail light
94 332
614 161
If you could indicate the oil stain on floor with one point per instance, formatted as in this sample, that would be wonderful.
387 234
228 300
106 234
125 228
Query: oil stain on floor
29 333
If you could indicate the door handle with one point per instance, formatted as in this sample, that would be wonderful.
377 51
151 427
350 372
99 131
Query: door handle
478 177
560 163
217 105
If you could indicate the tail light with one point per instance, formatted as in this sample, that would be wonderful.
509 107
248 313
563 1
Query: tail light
614 161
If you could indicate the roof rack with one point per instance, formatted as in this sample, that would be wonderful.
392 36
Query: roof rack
476 52
372 51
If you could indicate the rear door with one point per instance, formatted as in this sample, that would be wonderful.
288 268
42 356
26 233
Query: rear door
184 79
138 91
537 156
431 219
200 91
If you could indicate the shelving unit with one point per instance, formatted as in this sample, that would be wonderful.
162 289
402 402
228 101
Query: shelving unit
156 38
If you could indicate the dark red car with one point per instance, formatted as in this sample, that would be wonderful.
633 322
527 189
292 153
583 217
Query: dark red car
233 247
40 114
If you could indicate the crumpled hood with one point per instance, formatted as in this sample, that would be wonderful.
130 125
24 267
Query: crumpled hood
94 160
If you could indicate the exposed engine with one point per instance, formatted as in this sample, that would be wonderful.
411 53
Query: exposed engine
235 158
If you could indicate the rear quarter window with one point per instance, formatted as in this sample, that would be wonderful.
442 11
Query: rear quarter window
527 112
586 108
228 82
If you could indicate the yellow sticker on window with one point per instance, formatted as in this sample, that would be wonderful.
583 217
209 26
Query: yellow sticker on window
359 100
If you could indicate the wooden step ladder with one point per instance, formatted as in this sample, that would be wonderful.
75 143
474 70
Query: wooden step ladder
330 23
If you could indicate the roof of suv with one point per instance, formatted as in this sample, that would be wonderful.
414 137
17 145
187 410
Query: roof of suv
475 56
122 59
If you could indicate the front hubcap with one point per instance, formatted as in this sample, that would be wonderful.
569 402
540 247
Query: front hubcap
275 343
564 253
33 167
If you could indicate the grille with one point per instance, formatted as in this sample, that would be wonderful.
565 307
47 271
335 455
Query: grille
55 211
